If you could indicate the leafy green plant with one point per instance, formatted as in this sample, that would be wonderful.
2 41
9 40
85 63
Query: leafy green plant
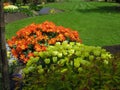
26 11
23 9
68 66
36 37
11 8
35 7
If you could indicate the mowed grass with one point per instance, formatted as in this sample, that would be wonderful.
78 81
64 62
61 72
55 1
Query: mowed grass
98 23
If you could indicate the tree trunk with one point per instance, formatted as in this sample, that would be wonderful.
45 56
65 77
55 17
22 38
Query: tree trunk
3 55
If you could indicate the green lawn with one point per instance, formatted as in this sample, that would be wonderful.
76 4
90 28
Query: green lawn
98 23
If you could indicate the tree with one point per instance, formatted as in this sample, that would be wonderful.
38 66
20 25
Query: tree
3 54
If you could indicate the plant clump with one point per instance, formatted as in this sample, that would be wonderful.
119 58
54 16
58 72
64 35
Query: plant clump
64 66
10 8
37 37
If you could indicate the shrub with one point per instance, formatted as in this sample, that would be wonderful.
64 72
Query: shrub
11 8
36 37
69 66
35 7
26 11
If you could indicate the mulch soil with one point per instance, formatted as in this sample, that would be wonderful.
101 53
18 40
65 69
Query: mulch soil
11 17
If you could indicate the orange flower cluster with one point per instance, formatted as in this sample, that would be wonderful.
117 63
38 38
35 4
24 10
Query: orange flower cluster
6 4
36 37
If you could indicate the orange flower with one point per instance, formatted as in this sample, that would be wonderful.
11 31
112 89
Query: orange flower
38 33
43 48
60 37
25 60
66 34
23 47
37 47
22 56
6 4
36 37
52 41
14 53
30 54
10 43
18 49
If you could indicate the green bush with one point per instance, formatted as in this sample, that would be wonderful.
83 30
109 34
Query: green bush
26 11
23 9
35 7
11 9
71 66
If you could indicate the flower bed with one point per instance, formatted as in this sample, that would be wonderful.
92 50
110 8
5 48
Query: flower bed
52 57
10 8
36 37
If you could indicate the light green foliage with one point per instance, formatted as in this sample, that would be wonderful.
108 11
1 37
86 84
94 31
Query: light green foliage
62 66
11 8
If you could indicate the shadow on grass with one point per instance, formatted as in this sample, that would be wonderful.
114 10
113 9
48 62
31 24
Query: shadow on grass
102 9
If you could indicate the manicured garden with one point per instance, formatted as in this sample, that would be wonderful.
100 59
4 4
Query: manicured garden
63 51
96 22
